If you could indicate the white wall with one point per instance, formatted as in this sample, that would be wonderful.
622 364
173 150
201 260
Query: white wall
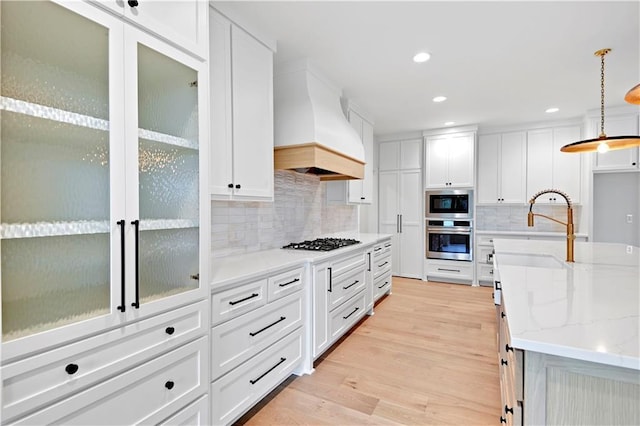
616 195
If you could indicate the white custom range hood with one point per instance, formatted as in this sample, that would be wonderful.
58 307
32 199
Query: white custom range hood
312 134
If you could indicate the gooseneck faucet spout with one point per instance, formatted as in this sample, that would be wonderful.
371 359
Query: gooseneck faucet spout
569 224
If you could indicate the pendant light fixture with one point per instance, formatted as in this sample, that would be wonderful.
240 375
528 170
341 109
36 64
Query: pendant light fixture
633 95
603 143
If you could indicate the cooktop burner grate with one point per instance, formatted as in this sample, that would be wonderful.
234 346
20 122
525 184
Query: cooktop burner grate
322 244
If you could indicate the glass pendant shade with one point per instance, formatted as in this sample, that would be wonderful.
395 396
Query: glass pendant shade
604 143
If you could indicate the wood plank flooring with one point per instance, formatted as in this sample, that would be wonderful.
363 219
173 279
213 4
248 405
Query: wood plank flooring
428 356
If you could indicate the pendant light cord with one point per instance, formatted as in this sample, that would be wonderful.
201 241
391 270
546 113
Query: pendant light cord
602 134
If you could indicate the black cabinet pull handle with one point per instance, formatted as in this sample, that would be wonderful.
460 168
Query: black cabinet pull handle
369 254
362 198
502 315
351 285
508 410
235 302
254 381
238 186
169 330
498 285
330 281
502 420
71 368
387 245
380 266
289 283
377 249
122 306
195 277
385 283
169 385
230 185
508 348
504 362
353 312
255 333
133 3
136 225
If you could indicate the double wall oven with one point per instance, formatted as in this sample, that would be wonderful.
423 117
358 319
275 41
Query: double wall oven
449 224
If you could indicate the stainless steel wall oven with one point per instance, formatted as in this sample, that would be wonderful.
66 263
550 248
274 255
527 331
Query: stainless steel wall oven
449 239
449 204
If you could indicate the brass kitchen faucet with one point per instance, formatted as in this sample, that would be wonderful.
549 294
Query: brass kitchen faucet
571 236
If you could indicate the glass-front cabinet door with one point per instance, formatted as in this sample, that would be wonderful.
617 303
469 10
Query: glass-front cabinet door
99 163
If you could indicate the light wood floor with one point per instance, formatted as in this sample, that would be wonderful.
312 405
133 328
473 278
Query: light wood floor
428 356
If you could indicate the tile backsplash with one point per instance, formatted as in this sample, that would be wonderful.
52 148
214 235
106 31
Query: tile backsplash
514 218
298 212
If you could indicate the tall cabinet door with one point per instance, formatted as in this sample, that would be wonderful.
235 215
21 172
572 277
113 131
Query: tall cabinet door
388 213
62 170
162 106
411 219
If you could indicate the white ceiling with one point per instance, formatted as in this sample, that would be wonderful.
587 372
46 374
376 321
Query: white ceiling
499 63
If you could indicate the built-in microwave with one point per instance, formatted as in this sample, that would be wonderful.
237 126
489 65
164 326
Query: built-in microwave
449 204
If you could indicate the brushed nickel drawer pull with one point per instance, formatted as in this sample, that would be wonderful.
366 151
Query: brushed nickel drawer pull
255 333
253 382
448 270
289 283
235 302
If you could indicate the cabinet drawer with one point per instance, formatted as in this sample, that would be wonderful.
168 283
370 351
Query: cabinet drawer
485 272
194 414
381 265
234 393
343 318
485 255
145 394
237 340
381 249
36 381
347 264
285 283
381 286
452 269
345 286
238 300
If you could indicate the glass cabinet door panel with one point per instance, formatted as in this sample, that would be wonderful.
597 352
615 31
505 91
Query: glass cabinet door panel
168 262
168 175
54 167
53 281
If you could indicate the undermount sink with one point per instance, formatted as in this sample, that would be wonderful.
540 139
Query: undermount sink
530 260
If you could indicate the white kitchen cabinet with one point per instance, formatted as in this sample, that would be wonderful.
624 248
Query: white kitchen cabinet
502 168
622 159
257 339
182 23
400 155
241 163
548 167
449 160
338 295
101 167
381 269
356 191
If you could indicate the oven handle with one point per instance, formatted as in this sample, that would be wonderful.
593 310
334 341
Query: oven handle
445 230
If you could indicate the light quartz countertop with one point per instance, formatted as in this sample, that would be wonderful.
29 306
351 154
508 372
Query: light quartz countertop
231 269
587 310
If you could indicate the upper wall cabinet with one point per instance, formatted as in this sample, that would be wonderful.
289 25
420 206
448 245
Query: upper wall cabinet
400 155
502 168
623 159
241 166
548 167
449 160
182 23
102 159
356 191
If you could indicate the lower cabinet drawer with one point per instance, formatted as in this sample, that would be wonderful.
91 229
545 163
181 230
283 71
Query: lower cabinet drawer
194 414
343 318
148 393
237 340
35 382
381 286
485 272
450 269
233 394
345 286
235 301
381 265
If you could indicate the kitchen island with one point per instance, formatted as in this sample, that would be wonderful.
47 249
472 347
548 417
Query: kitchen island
575 330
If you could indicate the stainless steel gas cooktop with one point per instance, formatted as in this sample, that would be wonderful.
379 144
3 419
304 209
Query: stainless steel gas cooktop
322 244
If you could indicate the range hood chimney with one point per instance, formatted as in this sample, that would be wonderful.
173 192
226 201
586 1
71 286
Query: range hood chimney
312 135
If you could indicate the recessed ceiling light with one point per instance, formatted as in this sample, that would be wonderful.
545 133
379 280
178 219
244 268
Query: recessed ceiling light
551 110
421 57
449 123
439 99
